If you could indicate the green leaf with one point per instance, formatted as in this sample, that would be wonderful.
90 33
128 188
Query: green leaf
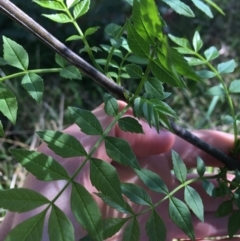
8 104
132 231
135 71
194 201
58 17
205 74
86 211
180 215
41 166
60 61
208 187
214 5
197 41
105 178
215 91
152 180
184 50
155 228
81 8
200 166
154 88
113 30
136 194
227 67
180 41
112 226
15 54
203 7
111 105
74 38
1 129
179 167
62 144
28 230
211 53
21 199
71 3
180 7
87 121
234 223
120 151
194 61
91 30
33 84
60 227
235 86
130 124
3 62
54 5
71 72
137 60
224 209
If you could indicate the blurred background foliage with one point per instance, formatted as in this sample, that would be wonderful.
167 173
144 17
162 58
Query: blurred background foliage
193 107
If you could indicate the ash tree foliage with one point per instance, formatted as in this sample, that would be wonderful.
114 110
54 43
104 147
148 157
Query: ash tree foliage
138 51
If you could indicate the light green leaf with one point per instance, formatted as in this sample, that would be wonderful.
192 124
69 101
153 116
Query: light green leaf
74 37
136 194
227 67
120 151
179 167
28 230
135 71
215 91
105 178
197 41
184 50
152 180
211 53
234 223
71 3
155 227
21 199
86 211
112 226
62 144
8 103
206 74
235 86
130 124
86 120
180 7
154 88
194 201
132 231
208 187
41 166
194 61
112 63
60 61
214 5
55 5
33 84
180 215
58 17
81 8
1 129
91 30
71 72
60 227
111 105
224 209
180 41
200 166
15 54
203 7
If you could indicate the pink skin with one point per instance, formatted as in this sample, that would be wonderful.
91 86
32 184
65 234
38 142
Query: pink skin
153 151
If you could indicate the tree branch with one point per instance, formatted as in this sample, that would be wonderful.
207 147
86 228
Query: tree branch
28 23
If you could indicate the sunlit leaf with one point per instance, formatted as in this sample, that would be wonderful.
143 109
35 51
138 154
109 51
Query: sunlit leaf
91 30
197 41
74 38
58 17
81 8
71 3
180 41
55 5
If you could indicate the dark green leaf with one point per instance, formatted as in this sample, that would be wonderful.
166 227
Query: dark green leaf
41 166
58 17
87 121
137 60
135 71
152 180
28 230
179 167
120 151
234 223
155 228
61 61
211 53
81 8
62 144
60 227
21 199
208 187
15 54
224 209
111 105
215 91
3 62
91 30
112 226
235 86
70 72
132 231
130 124
86 211
180 215
55 5
194 201
112 30
200 166
105 178
203 7
136 194
33 84
154 88
197 41
227 67
8 103
1 129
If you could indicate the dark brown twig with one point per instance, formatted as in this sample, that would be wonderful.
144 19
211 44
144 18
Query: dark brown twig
19 16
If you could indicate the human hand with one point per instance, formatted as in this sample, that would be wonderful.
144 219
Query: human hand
153 151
